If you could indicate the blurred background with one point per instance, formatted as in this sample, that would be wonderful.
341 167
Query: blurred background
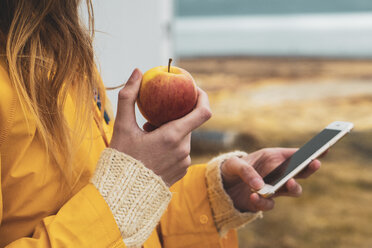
276 72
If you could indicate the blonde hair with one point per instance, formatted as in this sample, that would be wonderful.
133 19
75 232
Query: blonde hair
49 55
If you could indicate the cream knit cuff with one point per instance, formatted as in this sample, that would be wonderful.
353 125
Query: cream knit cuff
225 215
136 196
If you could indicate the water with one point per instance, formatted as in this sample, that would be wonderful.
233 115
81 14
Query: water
325 35
185 8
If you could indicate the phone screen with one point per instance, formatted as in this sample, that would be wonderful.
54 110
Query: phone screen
300 156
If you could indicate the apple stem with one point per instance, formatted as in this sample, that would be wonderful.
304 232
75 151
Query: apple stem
169 64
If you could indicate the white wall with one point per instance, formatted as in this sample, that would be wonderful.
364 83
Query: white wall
131 34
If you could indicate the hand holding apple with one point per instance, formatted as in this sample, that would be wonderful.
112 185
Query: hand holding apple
166 94
166 149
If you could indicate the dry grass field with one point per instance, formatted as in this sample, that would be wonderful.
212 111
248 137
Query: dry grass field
268 102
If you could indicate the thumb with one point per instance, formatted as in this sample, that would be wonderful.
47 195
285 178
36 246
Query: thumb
238 167
126 117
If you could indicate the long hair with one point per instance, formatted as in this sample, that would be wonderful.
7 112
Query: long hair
49 56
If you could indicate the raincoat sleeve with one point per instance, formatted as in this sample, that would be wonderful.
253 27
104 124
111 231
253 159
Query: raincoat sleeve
201 214
225 215
84 221
123 204
188 221
107 212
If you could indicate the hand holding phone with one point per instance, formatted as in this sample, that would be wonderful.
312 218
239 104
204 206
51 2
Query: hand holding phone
300 159
242 175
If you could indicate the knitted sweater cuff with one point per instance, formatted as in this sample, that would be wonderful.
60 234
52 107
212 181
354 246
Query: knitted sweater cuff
136 196
225 215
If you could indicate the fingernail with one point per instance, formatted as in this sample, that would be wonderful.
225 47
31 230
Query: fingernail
257 183
135 74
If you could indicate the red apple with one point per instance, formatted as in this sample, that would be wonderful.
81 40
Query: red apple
166 94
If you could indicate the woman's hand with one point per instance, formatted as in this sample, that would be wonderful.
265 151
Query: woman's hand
242 175
165 150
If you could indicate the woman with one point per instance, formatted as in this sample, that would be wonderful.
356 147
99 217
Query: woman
61 186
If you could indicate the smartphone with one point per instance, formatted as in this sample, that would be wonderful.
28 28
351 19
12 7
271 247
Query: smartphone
307 153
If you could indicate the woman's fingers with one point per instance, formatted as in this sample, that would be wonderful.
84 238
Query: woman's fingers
200 114
126 118
285 152
260 203
291 188
238 167
294 189
310 169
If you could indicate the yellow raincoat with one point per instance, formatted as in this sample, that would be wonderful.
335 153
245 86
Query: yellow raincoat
35 213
